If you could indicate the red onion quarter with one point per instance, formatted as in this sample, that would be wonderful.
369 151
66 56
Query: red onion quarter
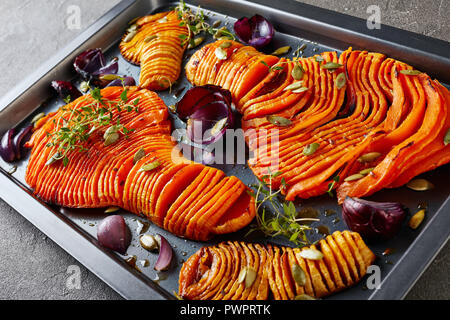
256 31
373 220
113 233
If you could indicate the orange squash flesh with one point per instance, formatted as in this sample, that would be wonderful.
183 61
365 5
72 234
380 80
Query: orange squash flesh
377 109
273 266
158 46
104 176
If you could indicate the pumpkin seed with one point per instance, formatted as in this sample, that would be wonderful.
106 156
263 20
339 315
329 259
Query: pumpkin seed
416 219
132 28
84 86
150 38
297 72
242 275
340 81
225 44
220 54
279 121
299 275
420 185
148 242
311 254
319 59
304 297
281 51
224 38
150 166
250 277
172 108
216 23
302 47
12 170
38 117
219 126
110 77
109 131
331 65
162 20
111 138
144 263
129 36
311 148
447 137
365 172
138 155
300 90
369 157
219 33
294 86
142 227
195 42
354 177
112 209
53 159
410 72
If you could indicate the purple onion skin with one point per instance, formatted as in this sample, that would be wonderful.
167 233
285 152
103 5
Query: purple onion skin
203 107
88 62
7 150
19 140
113 233
127 81
373 220
165 255
91 65
110 68
65 89
256 31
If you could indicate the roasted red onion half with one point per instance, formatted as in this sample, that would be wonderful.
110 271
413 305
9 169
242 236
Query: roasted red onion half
66 89
12 144
207 111
165 254
113 233
256 31
373 220
92 63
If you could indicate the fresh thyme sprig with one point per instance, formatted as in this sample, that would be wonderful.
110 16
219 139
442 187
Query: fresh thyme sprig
74 127
284 220
196 24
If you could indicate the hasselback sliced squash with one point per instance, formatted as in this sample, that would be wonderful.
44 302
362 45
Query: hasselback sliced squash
246 271
156 43
186 198
347 106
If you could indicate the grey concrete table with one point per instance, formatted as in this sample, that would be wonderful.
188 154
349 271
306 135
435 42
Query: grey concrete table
31 265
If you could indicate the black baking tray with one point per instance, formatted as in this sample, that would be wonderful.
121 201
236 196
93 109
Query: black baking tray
321 30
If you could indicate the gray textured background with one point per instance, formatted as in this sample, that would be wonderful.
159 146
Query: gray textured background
32 266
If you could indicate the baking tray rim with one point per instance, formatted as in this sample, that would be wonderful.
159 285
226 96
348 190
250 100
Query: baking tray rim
395 285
